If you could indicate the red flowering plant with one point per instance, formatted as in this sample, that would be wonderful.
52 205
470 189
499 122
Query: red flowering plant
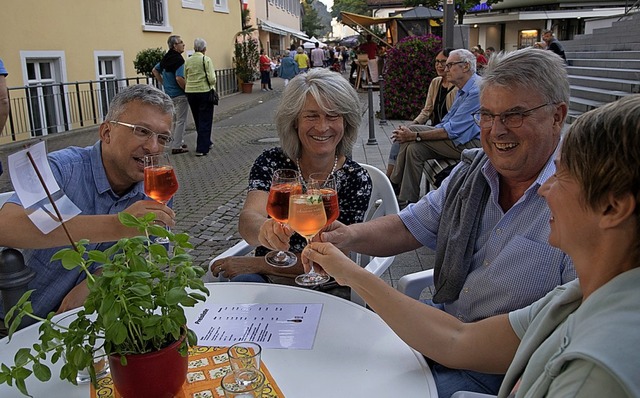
409 69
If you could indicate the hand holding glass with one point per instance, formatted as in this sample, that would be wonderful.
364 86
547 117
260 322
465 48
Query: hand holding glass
160 182
283 184
307 217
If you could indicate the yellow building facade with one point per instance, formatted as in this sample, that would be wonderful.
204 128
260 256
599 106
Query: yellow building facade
63 41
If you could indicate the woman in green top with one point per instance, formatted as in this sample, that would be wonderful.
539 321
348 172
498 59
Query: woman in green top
201 79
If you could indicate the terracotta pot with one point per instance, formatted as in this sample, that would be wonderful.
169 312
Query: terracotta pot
247 88
153 375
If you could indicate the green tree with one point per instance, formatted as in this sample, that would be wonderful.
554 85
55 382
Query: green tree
352 6
146 59
461 6
311 24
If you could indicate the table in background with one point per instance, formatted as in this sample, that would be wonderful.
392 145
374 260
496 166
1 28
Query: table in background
355 354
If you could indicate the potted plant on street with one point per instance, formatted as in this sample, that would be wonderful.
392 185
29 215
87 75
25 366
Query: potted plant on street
134 312
246 56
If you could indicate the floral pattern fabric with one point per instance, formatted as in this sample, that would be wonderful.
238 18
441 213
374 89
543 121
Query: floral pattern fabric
354 189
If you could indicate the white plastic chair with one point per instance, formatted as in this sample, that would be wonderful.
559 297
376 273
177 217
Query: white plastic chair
467 394
413 284
383 201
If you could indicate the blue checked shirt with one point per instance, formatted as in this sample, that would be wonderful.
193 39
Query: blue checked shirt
513 265
458 122
80 174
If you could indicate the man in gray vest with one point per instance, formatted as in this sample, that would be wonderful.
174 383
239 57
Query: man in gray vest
487 224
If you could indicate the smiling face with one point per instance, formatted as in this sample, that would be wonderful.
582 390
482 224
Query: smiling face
319 132
519 154
573 225
122 151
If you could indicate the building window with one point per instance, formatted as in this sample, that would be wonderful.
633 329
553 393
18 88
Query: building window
43 71
193 4
221 6
527 38
155 16
109 71
153 12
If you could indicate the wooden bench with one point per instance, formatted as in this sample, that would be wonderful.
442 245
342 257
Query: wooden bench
432 167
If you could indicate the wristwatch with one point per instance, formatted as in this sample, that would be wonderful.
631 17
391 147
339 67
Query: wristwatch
418 138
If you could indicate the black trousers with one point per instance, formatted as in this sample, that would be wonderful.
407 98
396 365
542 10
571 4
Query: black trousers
202 110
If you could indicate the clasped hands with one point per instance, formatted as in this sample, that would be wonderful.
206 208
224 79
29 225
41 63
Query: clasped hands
403 134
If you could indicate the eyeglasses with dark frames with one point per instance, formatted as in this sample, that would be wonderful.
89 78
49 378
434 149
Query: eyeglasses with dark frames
450 64
512 120
144 133
441 62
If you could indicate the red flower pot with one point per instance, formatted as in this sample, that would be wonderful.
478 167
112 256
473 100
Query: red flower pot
152 375
247 88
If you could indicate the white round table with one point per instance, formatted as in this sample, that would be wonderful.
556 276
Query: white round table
355 354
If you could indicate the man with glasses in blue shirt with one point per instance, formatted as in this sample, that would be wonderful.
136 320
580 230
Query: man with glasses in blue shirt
445 140
486 223
102 180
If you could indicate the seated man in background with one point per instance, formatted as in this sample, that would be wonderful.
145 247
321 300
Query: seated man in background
487 224
101 180
440 98
446 139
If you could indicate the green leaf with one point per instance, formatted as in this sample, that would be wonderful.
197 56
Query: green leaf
198 296
128 220
98 256
21 386
158 250
140 290
42 372
71 260
159 231
140 275
22 357
120 334
192 337
175 295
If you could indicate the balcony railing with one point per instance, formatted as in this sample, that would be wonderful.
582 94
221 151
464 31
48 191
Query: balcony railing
42 109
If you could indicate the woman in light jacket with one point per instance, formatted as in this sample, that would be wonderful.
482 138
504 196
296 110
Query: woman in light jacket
201 79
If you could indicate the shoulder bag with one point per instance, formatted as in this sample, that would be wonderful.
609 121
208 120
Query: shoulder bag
213 94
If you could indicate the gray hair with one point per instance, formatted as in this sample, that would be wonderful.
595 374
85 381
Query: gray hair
144 93
334 95
172 41
530 70
466 56
199 45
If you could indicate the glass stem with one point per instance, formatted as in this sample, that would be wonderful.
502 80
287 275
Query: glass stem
311 270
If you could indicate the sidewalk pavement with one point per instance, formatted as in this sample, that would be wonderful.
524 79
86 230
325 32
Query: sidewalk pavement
213 188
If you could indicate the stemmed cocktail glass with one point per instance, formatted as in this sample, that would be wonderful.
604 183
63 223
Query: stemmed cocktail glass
160 182
307 217
284 183
329 189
